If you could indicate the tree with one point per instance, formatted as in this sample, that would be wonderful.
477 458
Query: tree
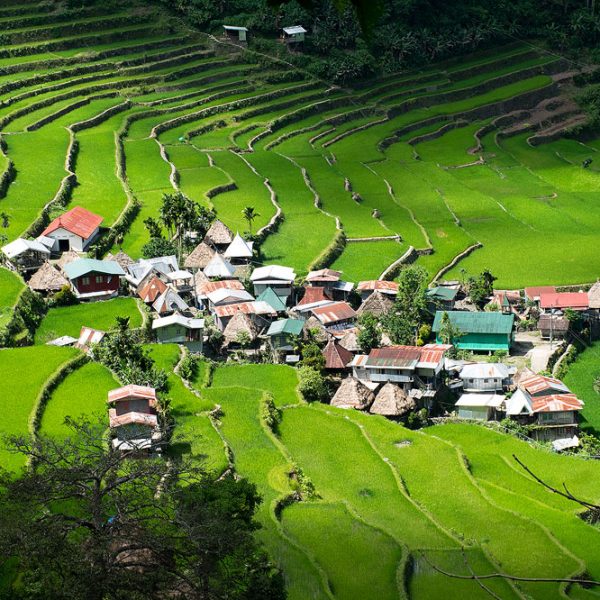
249 214
179 214
411 299
4 222
158 247
481 287
153 228
90 522
369 334
312 386
399 328
448 332
312 356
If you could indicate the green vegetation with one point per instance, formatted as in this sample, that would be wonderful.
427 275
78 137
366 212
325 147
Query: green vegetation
10 288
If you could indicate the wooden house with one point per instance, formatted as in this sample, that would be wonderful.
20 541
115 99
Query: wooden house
313 298
480 331
553 327
25 256
177 329
239 251
273 300
235 33
149 292
337 316
441 298
377 304
219 268
75 229
238 326
199 257
331 282
168 302
93 279
337 358
282 333
260 313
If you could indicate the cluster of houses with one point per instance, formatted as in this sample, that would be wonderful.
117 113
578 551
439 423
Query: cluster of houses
263 309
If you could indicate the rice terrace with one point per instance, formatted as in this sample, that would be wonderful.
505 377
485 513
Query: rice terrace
465 183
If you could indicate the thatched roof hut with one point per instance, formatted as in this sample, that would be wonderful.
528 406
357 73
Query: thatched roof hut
66 258
218 234
336 356
313 323
239 323
377 304
594 296
353 394
350 340
121 258
47 279
199 257
392 401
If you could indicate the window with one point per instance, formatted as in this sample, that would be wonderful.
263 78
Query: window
85 280
99 279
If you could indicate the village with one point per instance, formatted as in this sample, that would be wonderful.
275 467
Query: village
470 363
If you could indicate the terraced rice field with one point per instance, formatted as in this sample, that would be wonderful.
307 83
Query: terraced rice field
135 113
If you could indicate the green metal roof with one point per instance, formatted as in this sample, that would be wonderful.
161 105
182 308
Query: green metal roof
272 299
442 293
289 326
83 266
477 322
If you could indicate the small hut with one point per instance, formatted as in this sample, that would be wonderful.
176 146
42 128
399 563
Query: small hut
199 257
293 35
235 33
238 324
377 304
219 268
219 236
312 323
67 257
594 296
336 356
353 394
121 258
392 401
47 279
350 340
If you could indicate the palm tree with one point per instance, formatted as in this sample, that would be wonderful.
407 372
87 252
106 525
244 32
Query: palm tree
249 214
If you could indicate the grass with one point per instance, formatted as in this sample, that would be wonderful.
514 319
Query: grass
19 390
11 286
68 320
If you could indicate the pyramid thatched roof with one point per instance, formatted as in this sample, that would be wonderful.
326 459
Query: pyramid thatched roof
594 295
350 340
314 323
199 257
240 322
121 258
392 401
47 279
377 304
218 233
353 394
336 357
66 258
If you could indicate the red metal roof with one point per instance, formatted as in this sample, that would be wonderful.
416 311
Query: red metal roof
152 290
336 356
313 294
407 356
556 403
212 286
331 313
248 308
536 291
575 300
324 275
132 391
132 418
540 383
378 284
78 220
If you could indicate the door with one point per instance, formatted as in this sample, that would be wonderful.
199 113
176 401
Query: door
64 245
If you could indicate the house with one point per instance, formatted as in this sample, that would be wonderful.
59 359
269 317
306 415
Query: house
337 358
218 236
481 407
152 290
93 279
339 315
235 33
133 417
486 377
547 403
205 288
200 256
177 329
282 333
553 327
259 312
223 296
313 298
121 258
409 366
331 282
279 279
533 294
549 302
352 393
169 301
240 326
293 35
181 280
366 288
25 255
219 268
392 402
47 279
273 300
377 304
141 271
314 328
239 251
74 230
441 298
480 331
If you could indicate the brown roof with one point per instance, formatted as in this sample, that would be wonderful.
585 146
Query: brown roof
314 323
332 313
392 401
199 257
336 356
594 295
377 284
207 287
353 394
240 322
557 403
377 304
554 322
350 340
313 294
130 418
66 258
78 221
324 275
132 391
121 258
152 290
219 233
47 279
536 291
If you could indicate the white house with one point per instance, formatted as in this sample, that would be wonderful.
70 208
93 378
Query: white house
177 329
25 255
74 230
486 377
481 407
279 279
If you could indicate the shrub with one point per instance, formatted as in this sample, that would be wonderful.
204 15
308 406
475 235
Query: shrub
64 297
269 413
313 385
158 247
188 367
